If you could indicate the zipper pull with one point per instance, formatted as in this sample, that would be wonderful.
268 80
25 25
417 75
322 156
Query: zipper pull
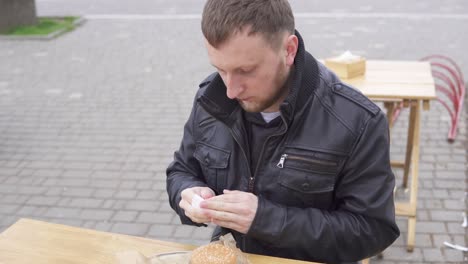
281 162
251 184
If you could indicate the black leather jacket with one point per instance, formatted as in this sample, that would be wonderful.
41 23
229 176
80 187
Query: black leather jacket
324 182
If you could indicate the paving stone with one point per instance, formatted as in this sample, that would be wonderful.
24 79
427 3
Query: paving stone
14 199
453 256
431 227
161 231
128 184
63 221
64 201
439 239
148 195
103 226
29 190
76 174
457 194
456 228
106 175
165 207
155 217
60 212
89 224
400 254
73 182
422 240
139 175
77 165
96 214
202 233
142 205
43 200
120 205
433 204
125 194
110 184
445 215
8 208
108 204
27 210
104 193
440 193
433 254
130 228
449 175
78 192
422 215
47 173
10 180
86 203
44 166
454 205
144 185
459 239
9 171
125 216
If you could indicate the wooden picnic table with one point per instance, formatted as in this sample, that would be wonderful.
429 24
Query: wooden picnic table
407 83
36 242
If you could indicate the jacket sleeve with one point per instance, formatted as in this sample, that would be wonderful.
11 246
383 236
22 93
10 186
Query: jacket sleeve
184 171
362 225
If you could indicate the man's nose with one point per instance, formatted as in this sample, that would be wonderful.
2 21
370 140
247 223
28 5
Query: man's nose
233 86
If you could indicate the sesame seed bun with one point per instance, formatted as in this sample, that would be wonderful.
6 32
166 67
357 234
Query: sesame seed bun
213 254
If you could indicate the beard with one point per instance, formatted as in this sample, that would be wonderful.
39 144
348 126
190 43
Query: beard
281 89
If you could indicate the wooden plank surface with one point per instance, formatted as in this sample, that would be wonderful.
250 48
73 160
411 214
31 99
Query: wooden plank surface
396 80
30 241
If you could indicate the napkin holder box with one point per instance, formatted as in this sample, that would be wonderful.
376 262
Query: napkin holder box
347 69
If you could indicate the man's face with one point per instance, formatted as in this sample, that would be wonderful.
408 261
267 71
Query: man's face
254 73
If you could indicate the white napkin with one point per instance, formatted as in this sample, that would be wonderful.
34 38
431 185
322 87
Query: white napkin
347 56
196 200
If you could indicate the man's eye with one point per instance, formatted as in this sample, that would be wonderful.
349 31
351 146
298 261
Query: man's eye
245 71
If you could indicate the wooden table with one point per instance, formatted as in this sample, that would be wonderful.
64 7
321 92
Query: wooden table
409 83
35 242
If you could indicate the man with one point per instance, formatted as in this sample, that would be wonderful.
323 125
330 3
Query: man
291 161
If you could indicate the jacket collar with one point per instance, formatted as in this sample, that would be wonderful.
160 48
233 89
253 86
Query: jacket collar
303 81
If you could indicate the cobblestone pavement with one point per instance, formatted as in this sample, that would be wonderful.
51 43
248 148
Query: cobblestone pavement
89 121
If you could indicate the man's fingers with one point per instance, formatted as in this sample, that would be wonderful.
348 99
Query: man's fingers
206 193
222 206
221 215
228 224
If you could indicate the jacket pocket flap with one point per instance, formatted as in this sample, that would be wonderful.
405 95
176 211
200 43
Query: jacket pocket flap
211 157
307 183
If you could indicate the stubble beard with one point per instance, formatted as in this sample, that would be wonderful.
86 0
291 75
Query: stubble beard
281 84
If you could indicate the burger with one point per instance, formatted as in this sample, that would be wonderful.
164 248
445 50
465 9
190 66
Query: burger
213 254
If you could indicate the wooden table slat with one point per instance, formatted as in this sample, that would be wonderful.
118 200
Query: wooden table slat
31 241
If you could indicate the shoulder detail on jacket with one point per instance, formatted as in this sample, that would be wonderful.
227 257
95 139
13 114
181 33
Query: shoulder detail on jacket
356 96
345 91
207 80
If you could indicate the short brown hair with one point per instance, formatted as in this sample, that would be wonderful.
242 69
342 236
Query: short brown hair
223 18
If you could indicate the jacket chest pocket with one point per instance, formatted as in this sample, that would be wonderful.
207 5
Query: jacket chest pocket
214 163
308 179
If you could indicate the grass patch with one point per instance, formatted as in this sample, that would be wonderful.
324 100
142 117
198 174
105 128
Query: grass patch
45 26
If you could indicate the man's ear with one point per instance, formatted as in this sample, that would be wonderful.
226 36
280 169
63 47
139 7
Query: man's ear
292 44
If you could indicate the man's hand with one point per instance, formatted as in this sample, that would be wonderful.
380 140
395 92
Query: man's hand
234 210
195 214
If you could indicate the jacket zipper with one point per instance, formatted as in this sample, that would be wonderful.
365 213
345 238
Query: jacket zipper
252 179
292 157
245 156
